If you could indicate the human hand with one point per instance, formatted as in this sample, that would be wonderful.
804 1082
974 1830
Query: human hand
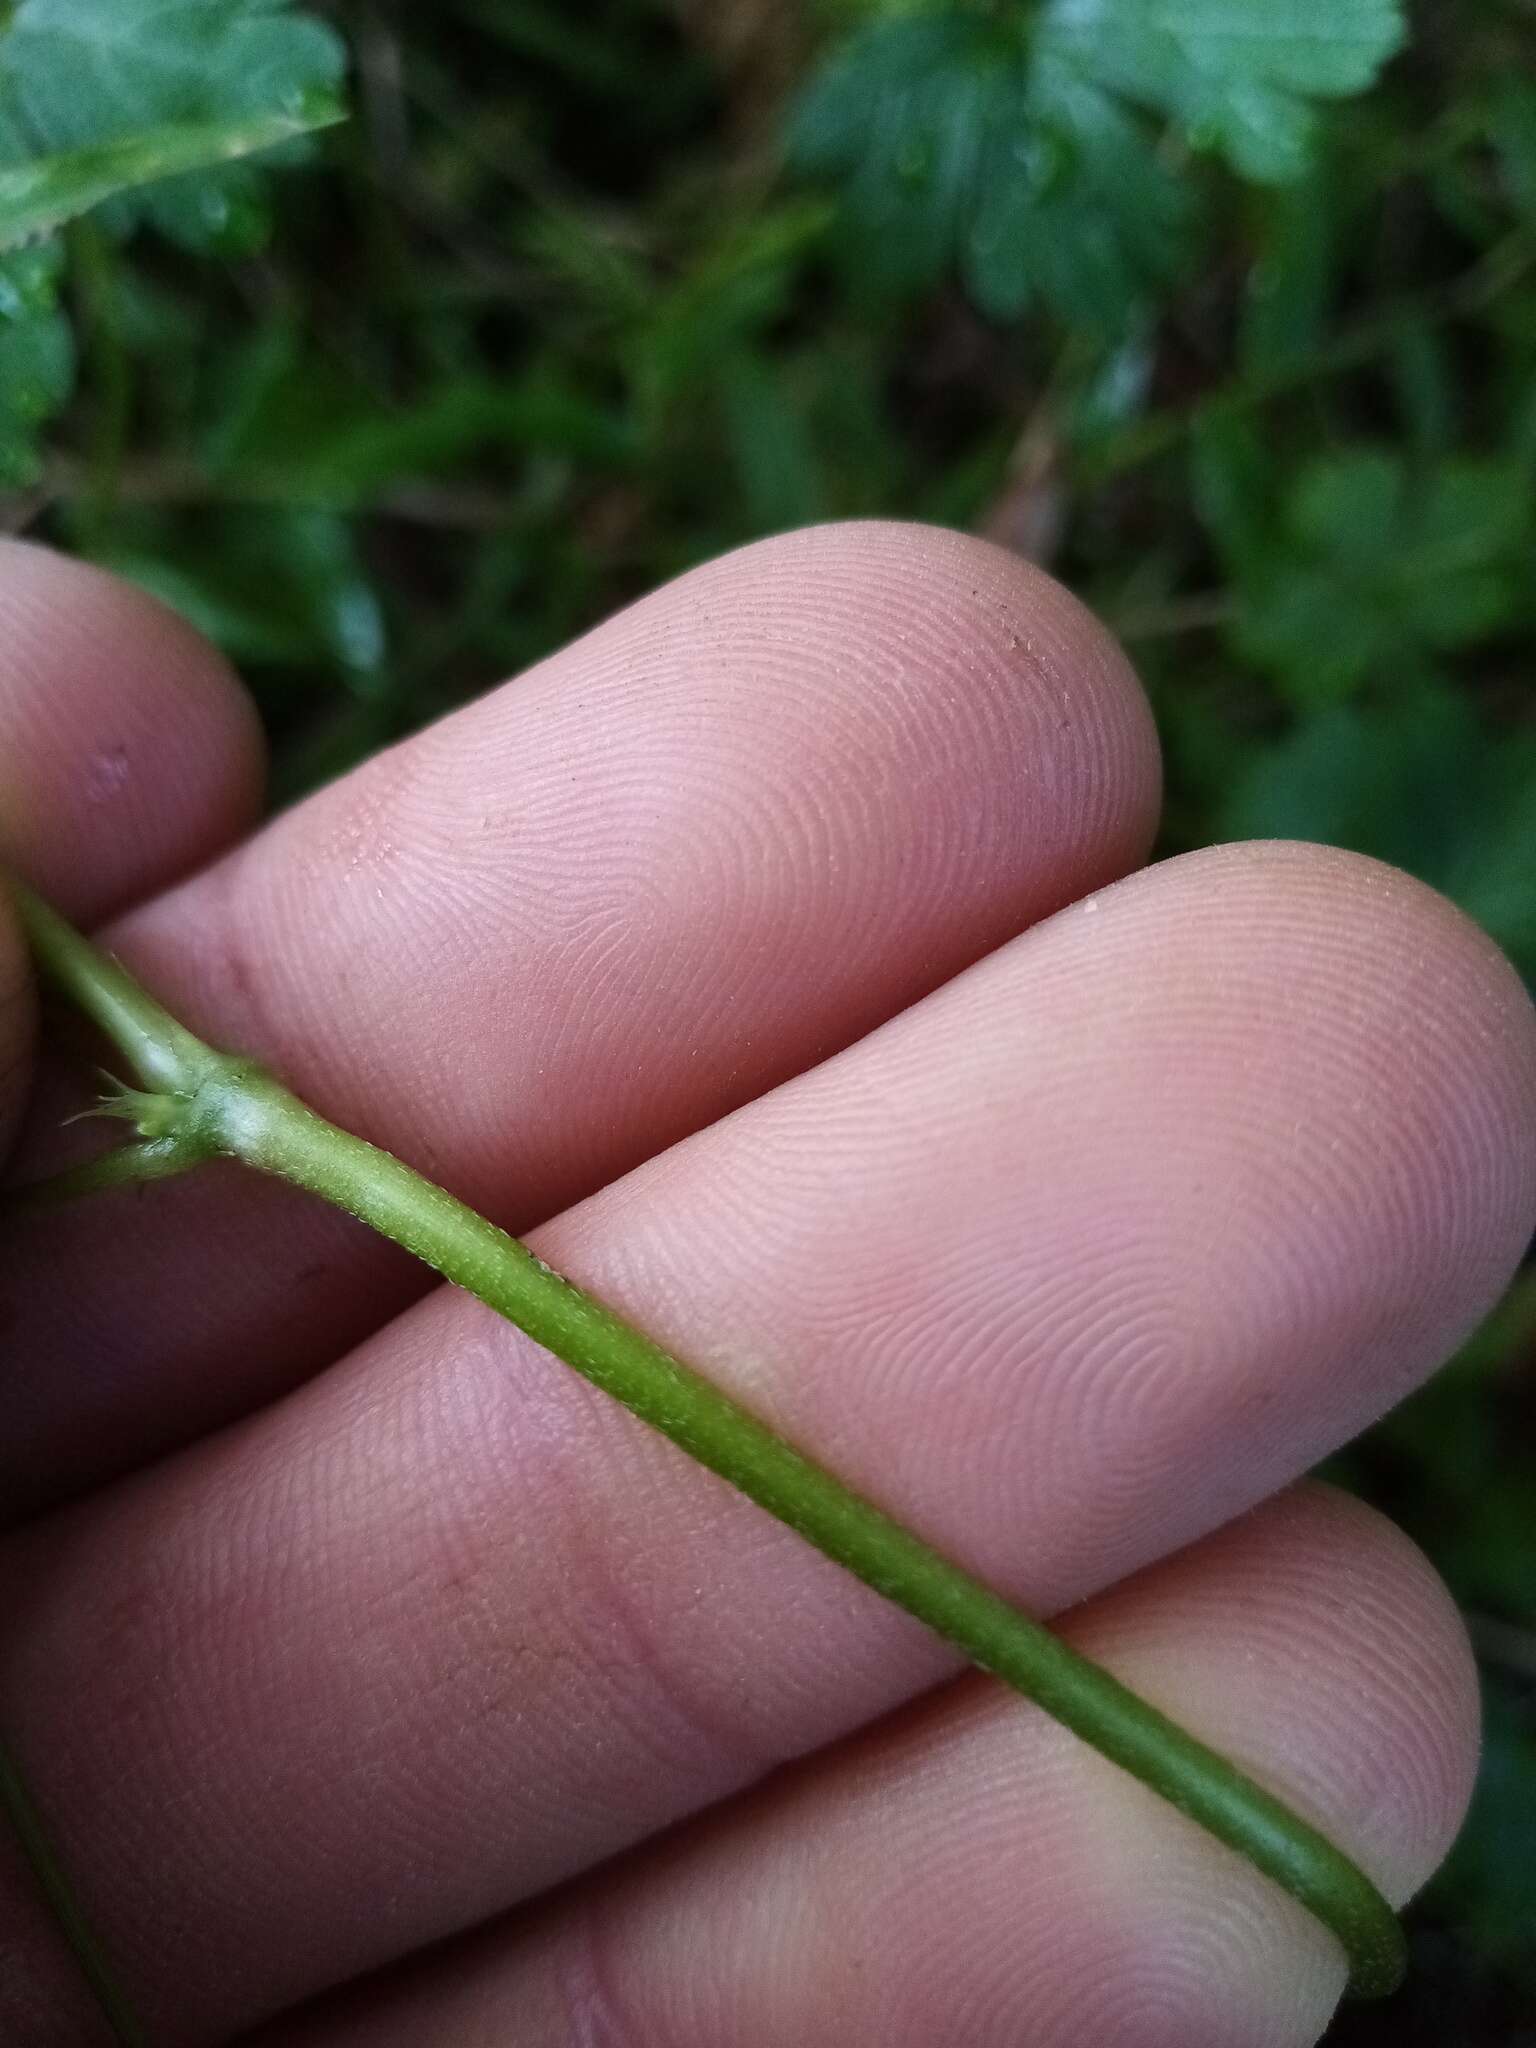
1070 1264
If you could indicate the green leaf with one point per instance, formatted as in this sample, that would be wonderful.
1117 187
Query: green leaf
280 584
1010 148
898 117
79 74
1374 567
292 424
37 358
1514 136
1491 1874
1238 77
1292 280
737 287
955 146
1420 782
775 462
1393 781
1490 868
1232 470
38 197
1074 209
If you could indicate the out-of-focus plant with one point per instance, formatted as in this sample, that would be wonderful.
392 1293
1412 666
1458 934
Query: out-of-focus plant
138 112
1044 152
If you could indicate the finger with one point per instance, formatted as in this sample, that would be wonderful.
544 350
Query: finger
722 836
128 752
1066 1266
968 1872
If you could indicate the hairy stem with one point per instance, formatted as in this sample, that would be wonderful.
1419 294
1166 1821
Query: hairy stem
163 1053
214 1102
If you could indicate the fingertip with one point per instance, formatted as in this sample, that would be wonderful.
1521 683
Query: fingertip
1450 1024
966 613
1314 1644
131 751
1375 1054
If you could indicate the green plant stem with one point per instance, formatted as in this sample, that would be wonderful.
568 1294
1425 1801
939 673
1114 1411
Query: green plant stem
124 1166
163 1053
226 1104
17 1805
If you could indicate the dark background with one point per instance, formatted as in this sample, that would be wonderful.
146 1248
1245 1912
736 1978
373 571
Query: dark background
581 296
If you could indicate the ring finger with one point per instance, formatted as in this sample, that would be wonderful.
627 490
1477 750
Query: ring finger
965 1872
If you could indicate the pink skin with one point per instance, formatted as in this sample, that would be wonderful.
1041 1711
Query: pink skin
131 753
966 1872
1071 1262
728 832
128 755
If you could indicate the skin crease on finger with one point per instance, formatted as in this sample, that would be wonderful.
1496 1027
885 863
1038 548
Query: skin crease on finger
726 833
965 1872
1149 1210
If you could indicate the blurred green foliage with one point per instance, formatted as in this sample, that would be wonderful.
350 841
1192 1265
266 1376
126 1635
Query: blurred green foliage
1226 313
